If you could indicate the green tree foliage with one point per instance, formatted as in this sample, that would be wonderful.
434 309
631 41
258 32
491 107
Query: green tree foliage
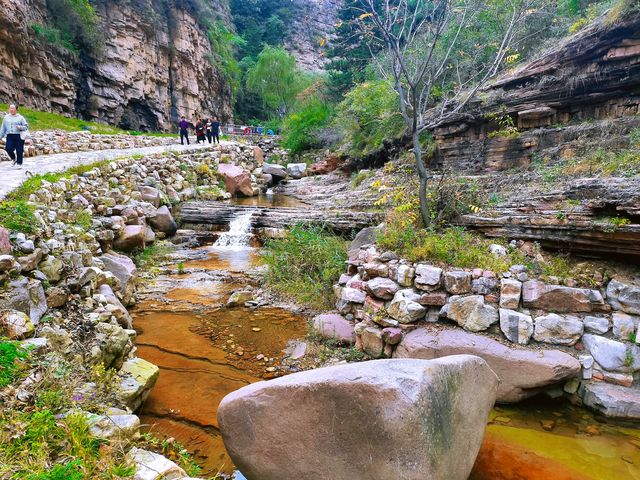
301 128
223 49
369 115
261 23
74 26
350 54
275 79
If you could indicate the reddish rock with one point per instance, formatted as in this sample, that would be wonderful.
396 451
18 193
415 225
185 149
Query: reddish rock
522 373
131 238
383 288
325 166
236 180
5 243
333 326
555 298
434 299
258 155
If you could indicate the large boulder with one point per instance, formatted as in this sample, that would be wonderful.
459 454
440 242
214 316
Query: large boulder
15 325
516 326
556 298
558 329
26 296
332 326
428 277
297 170
131 238
405 307
236 180
383 288
153 466
624 297
383 419
125 270
137 379
612 355
470 312
613 401
522 373
278 172
162 221
151 195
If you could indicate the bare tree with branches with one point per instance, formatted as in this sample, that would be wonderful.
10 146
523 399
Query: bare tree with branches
424 59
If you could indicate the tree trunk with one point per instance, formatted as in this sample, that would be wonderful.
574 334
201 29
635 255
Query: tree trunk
422 173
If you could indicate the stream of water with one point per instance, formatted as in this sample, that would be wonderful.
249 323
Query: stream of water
205 350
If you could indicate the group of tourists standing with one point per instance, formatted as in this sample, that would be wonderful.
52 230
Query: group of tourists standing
205 129
16 130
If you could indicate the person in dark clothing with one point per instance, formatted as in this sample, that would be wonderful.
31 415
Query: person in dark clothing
13 125
200 132
208 129
184 130
215 130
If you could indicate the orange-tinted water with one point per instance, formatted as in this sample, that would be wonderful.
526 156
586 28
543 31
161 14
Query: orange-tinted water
203 356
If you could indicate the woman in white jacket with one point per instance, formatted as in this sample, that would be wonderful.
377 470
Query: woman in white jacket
12 125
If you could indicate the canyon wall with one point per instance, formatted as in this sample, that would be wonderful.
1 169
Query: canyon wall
585 92
154 65
312 31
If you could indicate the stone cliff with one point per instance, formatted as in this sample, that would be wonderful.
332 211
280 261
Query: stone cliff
540 137
311 32
586 88
154 66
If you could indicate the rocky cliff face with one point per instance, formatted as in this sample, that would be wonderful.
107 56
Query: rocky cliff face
154 66
575 92
311 32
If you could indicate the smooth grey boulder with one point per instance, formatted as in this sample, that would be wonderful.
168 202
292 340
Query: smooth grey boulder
516 326
612 355
125 270
470 312
614 401
558 329
162 221
382 419
623 296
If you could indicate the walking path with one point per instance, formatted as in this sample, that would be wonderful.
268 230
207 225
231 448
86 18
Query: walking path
11 177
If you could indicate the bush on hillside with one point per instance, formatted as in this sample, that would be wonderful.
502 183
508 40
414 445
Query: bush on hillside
369 115
301 130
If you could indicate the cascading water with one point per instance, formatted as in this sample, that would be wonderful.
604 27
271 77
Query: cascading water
239 234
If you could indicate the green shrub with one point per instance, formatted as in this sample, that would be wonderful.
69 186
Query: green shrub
18 216
12 358
301 128
76 23
305 264
369 115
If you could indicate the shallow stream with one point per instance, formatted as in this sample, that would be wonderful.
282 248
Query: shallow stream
205 350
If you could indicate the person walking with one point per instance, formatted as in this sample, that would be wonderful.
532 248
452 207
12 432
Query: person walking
215 130
200 134
13 124
184 130
209 130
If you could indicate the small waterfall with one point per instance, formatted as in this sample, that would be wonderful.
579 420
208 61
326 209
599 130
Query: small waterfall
239 234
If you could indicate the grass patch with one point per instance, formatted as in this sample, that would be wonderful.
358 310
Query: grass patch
304 265
361 176
34 183
12 361
18 216
54 121
152 256
605 163
449 246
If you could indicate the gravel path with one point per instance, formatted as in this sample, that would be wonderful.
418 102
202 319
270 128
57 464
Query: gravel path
11 177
